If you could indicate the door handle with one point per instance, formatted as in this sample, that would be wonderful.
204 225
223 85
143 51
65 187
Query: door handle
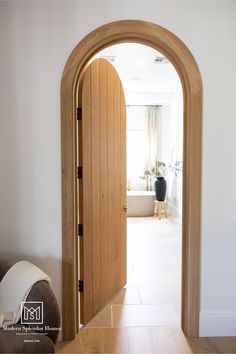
125 208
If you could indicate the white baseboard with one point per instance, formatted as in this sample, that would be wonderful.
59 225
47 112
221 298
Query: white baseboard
217 324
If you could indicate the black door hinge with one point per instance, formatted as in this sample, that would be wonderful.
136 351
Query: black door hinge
79 172
80 286
80 230
79 113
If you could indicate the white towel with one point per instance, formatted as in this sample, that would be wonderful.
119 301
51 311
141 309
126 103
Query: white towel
14 289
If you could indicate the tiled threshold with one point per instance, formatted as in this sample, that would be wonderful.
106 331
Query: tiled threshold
128 310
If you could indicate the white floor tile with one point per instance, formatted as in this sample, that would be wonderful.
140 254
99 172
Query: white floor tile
144 315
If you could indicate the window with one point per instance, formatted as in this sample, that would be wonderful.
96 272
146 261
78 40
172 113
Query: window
136 147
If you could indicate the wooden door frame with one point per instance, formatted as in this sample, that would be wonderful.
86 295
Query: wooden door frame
134 31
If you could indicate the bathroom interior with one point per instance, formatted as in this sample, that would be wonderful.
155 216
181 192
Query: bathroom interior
154 145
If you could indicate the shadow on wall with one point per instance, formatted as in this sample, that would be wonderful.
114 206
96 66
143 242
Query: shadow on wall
30 207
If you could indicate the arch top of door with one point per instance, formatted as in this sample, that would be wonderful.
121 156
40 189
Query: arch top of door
137 31
159 38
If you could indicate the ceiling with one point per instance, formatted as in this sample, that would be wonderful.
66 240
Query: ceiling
136 66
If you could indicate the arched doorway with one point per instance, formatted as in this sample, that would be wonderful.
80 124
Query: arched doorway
173 48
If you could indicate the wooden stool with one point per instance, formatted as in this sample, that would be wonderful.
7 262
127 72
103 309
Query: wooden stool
160 209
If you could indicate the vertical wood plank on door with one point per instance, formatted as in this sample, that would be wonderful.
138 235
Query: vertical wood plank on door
104 239
80 261
87 251
111 180
96 184
123 192
105 291
117 203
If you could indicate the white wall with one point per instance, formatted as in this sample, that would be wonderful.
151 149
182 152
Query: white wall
35 40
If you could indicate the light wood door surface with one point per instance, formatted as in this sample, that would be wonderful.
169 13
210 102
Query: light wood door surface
103 245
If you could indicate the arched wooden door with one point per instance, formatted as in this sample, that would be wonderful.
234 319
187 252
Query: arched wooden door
103 186
175 50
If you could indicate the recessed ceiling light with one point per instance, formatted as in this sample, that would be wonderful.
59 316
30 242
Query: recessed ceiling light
135 78
111 58
161 60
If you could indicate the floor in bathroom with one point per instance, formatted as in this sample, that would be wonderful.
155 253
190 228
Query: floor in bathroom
152 294
144 317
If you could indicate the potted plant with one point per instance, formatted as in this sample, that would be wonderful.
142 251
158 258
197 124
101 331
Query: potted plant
159 171
147 175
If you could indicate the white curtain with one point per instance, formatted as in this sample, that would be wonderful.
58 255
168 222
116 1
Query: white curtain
172 178
153 136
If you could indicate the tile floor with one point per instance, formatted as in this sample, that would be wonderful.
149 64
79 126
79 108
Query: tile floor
152 294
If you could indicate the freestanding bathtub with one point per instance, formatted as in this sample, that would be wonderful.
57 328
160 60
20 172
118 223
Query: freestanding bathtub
140 203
